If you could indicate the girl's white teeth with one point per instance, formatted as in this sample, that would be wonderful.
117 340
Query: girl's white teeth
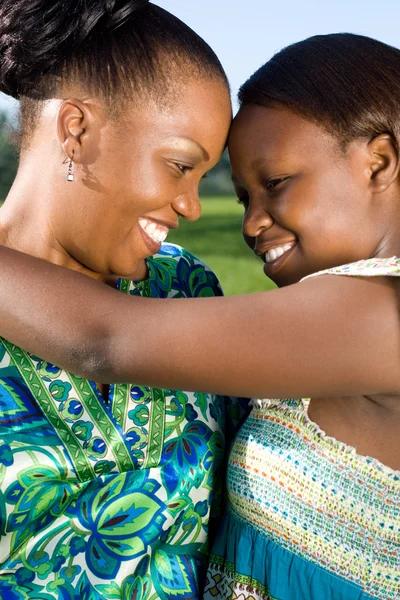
277 252
158 233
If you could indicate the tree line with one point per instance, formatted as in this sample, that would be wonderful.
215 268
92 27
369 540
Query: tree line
216 183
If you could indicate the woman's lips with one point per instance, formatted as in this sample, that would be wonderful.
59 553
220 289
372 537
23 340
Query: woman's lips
157 232
154 234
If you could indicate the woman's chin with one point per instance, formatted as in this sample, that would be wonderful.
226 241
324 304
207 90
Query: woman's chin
135 270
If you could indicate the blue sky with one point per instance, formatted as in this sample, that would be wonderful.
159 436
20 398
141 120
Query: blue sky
246 34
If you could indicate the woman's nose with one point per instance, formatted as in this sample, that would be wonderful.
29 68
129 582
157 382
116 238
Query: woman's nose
188 206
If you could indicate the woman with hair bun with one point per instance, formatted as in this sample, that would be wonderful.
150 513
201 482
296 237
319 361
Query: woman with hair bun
314 473
106 492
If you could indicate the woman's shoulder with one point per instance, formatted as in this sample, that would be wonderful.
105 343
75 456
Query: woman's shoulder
177 253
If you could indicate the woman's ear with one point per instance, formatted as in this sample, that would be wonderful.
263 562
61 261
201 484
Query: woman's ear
74 120
384 162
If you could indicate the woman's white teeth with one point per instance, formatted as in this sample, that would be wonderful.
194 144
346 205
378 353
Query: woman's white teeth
158 233
277 252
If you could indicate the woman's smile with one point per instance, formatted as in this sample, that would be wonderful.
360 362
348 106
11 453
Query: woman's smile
154 233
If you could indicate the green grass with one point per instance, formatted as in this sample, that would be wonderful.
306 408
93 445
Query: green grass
216 239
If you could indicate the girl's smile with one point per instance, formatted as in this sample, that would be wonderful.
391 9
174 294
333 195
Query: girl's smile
308 204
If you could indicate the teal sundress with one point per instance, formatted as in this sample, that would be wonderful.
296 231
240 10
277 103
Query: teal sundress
308 518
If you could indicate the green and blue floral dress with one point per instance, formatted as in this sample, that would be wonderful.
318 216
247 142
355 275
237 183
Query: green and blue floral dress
107 500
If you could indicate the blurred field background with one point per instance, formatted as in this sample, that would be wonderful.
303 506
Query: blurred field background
216 238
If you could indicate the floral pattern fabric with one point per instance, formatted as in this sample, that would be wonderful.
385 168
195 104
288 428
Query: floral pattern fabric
107 500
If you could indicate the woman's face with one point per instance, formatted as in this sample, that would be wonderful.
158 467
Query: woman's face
307 204
144 176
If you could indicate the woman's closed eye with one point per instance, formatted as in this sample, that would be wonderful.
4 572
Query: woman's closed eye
183 168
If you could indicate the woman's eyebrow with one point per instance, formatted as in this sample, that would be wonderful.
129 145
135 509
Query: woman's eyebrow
204 153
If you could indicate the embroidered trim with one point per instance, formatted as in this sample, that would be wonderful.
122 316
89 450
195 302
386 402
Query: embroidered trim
224 583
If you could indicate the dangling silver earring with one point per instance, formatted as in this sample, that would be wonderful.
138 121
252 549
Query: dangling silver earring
70 175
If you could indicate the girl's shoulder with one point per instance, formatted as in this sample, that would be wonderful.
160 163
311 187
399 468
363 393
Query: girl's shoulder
372 267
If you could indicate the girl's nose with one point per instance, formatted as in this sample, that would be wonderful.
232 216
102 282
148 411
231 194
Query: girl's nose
256 220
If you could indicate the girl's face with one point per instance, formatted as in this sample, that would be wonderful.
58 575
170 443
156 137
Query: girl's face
308 205
143 175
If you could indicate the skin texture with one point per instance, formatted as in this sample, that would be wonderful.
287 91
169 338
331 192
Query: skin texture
296 185
146 162
334 339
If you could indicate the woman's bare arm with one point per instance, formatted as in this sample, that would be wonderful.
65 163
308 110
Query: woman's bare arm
327 336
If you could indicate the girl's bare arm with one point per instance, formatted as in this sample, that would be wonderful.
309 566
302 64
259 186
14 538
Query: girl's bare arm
328 336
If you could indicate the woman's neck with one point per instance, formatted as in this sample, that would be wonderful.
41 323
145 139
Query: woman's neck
25 225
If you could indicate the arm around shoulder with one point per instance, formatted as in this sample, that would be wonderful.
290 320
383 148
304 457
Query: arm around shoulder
327 336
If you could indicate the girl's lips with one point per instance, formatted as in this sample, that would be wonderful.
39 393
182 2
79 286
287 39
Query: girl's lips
277 251
273 265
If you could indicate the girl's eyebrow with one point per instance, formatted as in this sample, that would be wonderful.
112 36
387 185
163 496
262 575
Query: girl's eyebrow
264 160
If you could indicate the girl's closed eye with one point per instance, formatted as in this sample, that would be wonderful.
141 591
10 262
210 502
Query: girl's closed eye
272 184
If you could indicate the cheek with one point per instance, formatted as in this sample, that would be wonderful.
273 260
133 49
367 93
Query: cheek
312 204
133 187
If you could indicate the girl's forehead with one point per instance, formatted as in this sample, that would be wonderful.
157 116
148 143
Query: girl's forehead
259 128
256 119
269 139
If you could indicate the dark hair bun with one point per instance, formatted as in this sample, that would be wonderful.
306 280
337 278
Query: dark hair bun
38 36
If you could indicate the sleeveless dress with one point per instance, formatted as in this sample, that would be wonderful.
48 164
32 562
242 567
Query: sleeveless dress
107 500
308 518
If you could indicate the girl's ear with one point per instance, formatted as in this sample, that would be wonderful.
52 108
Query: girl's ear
384 162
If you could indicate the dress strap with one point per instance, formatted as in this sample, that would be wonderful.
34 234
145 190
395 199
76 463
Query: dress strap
372 267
